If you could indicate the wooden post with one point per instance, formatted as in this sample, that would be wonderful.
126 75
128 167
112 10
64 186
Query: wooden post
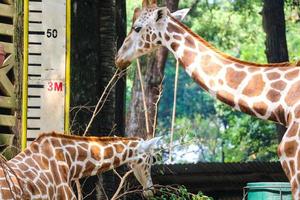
276 45
9 131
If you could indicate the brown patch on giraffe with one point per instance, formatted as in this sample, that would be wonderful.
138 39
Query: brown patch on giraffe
54 172
293 94
27 153
255 86
245 107
50 191
221 82
34 147
147 45
292 75
297 112
46 149
68 192
89 167
66 142
294 186
167 37
104 167
226 97
82 155
293 131
119 148
139 161
108 152
273 95
43 177
23 167
234 78
223 60
174 46
202 48
260 107
133 144
279 112
59 155
6 194
205 60
116 162
72 152
130 153
55 142
238 65
148 38
29 162
153 37
278 85
292 167
173 28
189 42
253 69
188 58
78 170
285 168
212 69
60 193
124 156
84 145
177 37
30 174
273 75
41 186
68 159
95 152
290 148
199 80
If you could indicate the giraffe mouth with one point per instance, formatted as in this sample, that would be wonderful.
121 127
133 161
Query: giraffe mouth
122 64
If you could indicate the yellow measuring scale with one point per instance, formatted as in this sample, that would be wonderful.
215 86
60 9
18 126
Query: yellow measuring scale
46 68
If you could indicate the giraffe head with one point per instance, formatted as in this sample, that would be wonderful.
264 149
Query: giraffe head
141 165
148 27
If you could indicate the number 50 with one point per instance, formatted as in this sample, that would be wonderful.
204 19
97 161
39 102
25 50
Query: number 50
52 33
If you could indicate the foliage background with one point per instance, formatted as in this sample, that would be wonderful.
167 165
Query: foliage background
206 129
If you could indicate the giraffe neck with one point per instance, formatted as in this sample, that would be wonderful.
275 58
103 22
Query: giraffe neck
73 157
237 83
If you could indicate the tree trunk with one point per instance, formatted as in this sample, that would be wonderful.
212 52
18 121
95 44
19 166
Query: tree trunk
152 75
276 45
95 28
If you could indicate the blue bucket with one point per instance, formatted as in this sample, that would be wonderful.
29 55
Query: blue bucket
268 191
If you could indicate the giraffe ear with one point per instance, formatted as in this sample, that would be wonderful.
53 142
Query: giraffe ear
148 145
180 14
160 14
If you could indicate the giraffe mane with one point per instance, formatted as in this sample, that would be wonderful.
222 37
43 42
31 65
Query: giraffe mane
85 138
229 57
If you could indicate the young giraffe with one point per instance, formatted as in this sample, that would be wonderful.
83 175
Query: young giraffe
267 91
46 168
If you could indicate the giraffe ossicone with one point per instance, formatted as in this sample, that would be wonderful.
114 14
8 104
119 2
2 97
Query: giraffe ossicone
267 91
46 168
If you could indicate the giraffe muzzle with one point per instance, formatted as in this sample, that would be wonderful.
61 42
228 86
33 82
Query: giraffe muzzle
121 63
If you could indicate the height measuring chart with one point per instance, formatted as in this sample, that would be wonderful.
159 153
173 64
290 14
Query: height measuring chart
46 68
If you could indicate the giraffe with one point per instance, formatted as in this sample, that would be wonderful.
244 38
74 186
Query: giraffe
267 91
47 167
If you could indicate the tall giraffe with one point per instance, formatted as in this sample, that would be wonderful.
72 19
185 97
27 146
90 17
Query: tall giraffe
267 91
47 167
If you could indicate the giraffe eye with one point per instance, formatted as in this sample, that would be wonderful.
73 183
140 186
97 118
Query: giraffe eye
137 29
